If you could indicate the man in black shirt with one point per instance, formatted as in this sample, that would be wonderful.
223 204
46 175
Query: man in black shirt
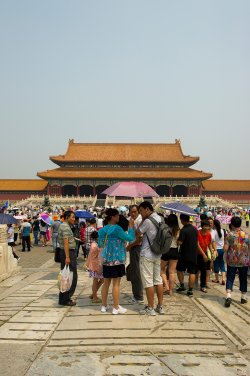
188 241
36 229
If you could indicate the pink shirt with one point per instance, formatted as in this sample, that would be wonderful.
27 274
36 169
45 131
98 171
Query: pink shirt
93 261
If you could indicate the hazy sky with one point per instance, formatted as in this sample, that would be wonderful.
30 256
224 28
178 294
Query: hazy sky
125 71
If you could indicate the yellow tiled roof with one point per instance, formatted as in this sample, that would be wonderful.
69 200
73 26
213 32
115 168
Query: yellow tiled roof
73 173
101 152
22 185
227 185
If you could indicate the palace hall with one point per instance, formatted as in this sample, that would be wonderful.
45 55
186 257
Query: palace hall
88 169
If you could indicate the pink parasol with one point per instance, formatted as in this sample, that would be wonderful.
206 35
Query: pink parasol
46 218
130 189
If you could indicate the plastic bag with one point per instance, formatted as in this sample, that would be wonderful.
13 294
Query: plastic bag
65 278
209 254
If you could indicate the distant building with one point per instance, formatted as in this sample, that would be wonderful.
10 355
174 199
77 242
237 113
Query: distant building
231 190
88 169
18 189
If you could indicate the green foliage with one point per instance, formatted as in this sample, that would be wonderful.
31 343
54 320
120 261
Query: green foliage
202 202
46 202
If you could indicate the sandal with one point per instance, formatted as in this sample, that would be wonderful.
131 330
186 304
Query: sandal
214 281
98 300
166 292
203 289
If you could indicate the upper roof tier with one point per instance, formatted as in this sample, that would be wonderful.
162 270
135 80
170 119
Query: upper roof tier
101 152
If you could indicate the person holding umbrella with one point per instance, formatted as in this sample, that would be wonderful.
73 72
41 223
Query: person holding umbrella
43 230
11 243
25 231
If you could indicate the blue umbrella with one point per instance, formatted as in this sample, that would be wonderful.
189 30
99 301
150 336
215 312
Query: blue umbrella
7 219
83 214
178 207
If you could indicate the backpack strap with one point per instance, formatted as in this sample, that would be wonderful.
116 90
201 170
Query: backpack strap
154 221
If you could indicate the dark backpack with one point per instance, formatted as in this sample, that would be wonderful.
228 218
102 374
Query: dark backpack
163 239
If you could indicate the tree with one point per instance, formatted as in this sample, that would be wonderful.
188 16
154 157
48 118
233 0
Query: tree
202 202
46 202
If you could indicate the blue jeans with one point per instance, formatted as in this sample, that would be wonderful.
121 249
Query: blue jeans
231 272
36 237
219 263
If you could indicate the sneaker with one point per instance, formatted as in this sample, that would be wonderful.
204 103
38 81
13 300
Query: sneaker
243 300
181 288
104 309
147 311
203 289
133 300
121 310
190 292
160 310
228 301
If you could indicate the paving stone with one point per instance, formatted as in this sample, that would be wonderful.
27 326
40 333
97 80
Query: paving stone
187 340
16 358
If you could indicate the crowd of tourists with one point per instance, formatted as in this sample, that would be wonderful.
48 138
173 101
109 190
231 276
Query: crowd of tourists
199 246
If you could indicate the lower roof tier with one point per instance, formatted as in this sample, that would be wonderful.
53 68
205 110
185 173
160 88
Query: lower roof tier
74 173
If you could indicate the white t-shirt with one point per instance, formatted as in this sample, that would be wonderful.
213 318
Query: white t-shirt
149 231
11 232
213 232
219 241
99 222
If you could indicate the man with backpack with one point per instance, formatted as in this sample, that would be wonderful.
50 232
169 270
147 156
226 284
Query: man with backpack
150 263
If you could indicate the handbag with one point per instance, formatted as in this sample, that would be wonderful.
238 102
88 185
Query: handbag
57 257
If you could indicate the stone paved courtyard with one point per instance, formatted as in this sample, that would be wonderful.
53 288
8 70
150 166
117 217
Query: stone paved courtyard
196 336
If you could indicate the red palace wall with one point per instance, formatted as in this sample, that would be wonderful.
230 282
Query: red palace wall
230 196
18 196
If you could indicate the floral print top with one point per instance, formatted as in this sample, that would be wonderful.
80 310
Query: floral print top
238 253
112 240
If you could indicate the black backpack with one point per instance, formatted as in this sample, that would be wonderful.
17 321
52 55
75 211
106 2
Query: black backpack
163 239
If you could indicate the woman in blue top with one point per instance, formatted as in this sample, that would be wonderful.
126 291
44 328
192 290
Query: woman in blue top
112 240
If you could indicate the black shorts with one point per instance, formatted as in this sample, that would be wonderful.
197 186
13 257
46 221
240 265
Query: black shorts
115 271
188 266
173 254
